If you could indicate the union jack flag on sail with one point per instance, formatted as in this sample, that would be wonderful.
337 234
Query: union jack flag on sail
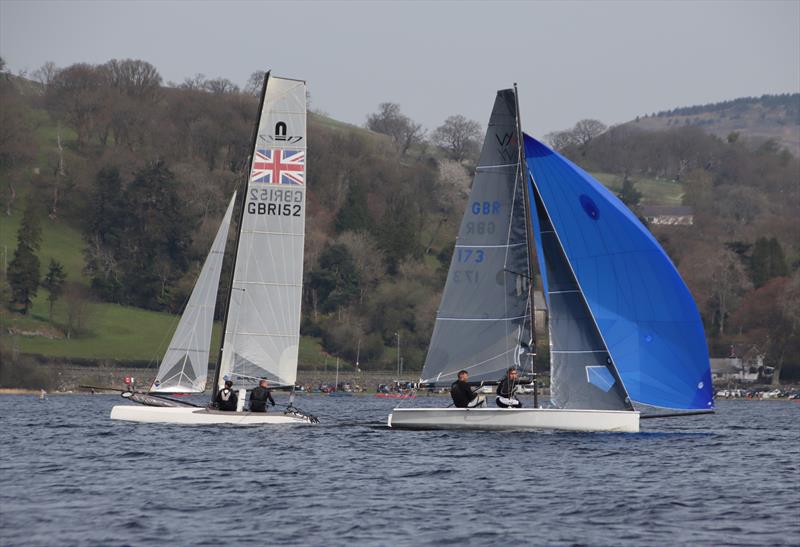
279 167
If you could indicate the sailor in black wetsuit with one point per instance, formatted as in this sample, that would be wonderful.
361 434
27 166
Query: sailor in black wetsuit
462 394
226 397
260 396
507 389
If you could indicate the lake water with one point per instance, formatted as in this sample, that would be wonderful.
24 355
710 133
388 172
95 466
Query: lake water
71 476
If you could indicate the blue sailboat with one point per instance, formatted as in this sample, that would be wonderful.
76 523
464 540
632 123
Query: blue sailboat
624 331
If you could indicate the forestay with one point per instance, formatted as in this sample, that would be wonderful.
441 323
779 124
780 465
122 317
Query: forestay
263 327
483 322
643 311
184 368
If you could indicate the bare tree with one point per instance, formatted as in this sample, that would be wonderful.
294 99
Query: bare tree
559 140
581 135
196 82
220 86
390 121
45 74
459 136
135 78
718 281
254 83
586 130
59 173
77 311
77 94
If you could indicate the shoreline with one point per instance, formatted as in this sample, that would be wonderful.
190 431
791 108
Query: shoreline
36 392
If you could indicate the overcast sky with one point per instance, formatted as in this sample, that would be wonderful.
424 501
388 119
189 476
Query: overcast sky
572 60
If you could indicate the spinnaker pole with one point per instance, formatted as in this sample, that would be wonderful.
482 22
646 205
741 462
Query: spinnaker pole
522 173
238 237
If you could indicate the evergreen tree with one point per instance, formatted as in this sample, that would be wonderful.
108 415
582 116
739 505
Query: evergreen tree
23 271
155 244
336 280
353 215
767 261
397 234
106 206
103 228
629 195
777 260
53 282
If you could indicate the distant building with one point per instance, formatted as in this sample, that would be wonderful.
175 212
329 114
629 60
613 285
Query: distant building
670 215
736 369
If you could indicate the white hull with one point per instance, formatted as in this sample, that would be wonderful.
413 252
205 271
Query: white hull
526 418
199 416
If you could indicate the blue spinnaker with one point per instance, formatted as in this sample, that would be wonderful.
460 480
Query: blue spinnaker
643 310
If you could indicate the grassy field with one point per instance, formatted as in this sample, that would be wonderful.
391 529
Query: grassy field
111 332
654 191
59 241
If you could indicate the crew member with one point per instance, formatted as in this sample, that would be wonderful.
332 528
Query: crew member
260 396
226 397
507 389
462 394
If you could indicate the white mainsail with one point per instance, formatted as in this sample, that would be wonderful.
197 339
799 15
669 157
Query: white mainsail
262 332
184 368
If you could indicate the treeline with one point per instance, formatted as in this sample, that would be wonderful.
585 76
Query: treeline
741 256
789 102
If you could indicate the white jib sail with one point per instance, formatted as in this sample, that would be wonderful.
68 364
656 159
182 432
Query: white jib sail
262 335
184 368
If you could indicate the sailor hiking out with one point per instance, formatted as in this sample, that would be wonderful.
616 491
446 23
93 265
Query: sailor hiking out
462 394
507 390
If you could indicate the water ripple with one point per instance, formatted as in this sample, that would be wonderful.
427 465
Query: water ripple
72 476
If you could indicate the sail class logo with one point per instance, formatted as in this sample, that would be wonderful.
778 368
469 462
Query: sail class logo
504 148
279 167
281 136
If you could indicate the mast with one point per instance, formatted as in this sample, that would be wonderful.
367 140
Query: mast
238 236
529 237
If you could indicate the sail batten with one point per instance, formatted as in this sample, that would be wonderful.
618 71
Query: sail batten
643 311
177 373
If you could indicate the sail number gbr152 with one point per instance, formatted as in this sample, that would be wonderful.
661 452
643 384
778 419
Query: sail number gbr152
275 201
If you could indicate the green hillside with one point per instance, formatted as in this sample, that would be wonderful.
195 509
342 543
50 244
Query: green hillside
110 331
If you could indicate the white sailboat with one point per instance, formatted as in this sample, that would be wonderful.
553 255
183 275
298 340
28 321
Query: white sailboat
261 330
623 328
